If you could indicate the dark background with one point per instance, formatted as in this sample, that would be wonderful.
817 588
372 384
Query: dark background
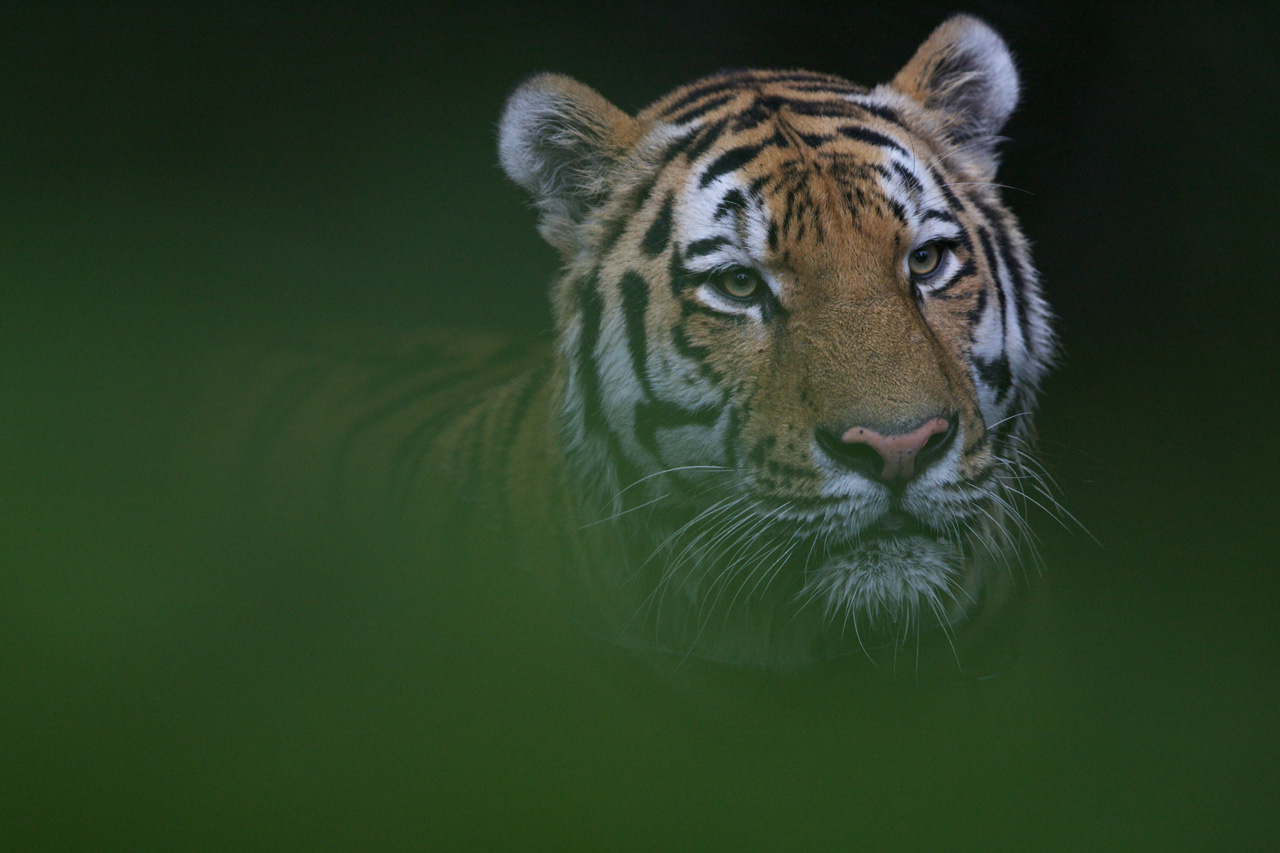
174 179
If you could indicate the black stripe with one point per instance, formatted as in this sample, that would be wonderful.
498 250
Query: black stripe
618 225
705 246
898 211
1011 265
952 201
760 183
659 232
815 140
984 237
733 202
732 431
414 447
832 87
975 314
882 112
590 308
699 91
471 482
996 373
766 107
424 356
635 304
705 139
788 208
515 417
681 277
653 415
785 469
907 177
944 215
755 114
675 149
801 76
403 401
967 269
826 108
695 353
701 109
871 137
729 161
594 419
761 449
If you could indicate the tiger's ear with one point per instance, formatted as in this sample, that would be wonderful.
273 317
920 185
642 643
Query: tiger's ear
964 71
560 140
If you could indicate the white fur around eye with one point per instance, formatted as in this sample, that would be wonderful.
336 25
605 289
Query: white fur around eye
945 267
712 297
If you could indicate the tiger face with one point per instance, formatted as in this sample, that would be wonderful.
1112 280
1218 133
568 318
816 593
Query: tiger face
799 334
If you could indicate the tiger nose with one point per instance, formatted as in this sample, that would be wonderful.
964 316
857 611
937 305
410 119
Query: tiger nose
890 457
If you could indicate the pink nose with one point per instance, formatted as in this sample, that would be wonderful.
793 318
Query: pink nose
899 452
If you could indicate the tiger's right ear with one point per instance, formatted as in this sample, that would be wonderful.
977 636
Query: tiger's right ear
560 140
964 71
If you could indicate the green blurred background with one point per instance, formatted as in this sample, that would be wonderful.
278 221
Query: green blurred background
173 179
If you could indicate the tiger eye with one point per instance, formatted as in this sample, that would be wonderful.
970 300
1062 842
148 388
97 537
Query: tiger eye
738 283
925 259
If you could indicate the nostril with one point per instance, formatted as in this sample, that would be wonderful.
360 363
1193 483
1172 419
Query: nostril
890 457
937 445
861 458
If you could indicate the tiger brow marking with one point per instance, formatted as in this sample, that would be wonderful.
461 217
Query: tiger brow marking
942 215
732 202
911 181
705 246
732 160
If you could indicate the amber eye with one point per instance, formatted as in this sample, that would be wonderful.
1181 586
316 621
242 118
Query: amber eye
924 261
738 283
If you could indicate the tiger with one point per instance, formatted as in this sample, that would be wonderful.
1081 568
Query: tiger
785 412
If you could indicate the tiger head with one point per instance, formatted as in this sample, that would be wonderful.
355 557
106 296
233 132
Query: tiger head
800 335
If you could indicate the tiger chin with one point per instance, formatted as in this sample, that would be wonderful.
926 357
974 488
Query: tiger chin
786 414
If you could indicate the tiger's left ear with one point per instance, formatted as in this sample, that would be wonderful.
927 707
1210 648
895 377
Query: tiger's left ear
561 140
964 71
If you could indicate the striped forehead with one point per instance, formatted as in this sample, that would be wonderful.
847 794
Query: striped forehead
779 153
